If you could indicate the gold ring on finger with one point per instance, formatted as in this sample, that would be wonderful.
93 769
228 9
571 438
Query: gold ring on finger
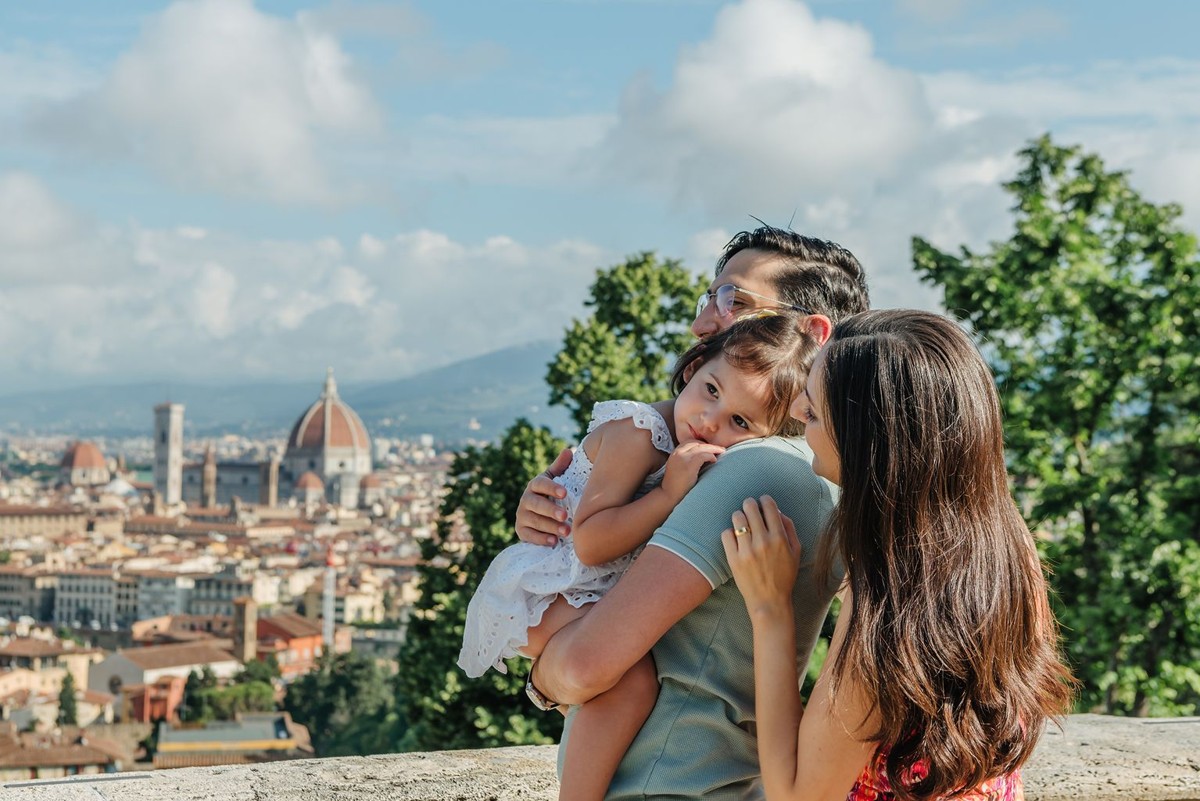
741 531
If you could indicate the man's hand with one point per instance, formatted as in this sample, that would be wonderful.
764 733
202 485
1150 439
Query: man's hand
540 520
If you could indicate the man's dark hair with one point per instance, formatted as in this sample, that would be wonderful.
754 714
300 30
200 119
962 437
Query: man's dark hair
818 274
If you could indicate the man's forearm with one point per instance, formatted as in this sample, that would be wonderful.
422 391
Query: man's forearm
566 671
590 655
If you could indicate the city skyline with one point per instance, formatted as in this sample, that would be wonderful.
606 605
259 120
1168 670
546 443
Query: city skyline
220 190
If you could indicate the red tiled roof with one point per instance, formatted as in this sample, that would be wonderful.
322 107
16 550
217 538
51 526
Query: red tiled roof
95 697
309 480
39 511
293 625
82 456
328 423
32 648
155 657
43 751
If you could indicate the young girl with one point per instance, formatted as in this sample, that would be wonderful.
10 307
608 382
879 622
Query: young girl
944 663
636 462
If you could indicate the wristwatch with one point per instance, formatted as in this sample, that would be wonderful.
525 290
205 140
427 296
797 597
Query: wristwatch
540 699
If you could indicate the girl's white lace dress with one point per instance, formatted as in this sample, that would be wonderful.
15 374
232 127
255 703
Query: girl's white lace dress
524 579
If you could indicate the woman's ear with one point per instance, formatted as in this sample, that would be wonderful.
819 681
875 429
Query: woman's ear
819 327
691 369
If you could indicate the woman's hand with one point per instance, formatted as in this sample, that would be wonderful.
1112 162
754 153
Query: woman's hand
540 520
764 554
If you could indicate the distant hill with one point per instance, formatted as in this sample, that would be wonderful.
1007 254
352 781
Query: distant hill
492 390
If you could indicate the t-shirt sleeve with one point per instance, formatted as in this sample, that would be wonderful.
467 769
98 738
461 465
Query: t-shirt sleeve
693 531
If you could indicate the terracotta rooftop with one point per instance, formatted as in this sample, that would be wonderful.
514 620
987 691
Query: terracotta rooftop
156 657
293 625
47 750
38 511
31 648
81 456
328 423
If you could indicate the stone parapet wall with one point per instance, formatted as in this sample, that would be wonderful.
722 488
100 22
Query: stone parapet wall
1096 757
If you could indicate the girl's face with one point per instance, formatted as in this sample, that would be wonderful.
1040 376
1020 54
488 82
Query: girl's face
721 405
809 408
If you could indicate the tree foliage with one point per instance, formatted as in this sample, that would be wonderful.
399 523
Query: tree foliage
242 697
197 696
265 671
1089 315
346 703
68 710
204 698
443 708
641 310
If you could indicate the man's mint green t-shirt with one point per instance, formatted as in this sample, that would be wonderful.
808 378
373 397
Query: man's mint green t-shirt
699 740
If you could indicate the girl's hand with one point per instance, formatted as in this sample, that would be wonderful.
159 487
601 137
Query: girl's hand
683 467
764 554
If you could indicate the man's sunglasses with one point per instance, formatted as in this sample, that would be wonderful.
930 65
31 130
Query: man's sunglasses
725 295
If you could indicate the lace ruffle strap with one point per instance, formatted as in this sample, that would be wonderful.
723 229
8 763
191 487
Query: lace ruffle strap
644 416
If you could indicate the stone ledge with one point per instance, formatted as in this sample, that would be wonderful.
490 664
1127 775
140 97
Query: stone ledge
1096 757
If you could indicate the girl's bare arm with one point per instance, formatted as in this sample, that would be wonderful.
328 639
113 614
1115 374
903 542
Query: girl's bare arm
608 522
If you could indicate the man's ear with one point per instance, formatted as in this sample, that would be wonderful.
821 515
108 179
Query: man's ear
689 371
819 327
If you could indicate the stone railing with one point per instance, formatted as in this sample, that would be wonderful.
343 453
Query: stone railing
1095 758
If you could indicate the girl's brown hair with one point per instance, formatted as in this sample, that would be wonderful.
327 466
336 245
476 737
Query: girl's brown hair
761 344
951 632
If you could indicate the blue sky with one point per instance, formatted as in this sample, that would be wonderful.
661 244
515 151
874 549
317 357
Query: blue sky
222 190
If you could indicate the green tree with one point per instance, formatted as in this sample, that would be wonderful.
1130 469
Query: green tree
347 695
442 708
1089 318
260 670
197 705
642 309
241 697
68 711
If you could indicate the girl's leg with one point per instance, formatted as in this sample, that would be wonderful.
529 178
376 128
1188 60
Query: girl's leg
603 730
604 727
559 614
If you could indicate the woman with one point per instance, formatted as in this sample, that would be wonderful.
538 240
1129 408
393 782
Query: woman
944 664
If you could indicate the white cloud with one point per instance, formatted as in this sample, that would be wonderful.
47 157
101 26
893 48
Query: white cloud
1140 116
794 118
31 74
704 247
143 302
218 96
1158 90
212 299
30 216
370 247
776 106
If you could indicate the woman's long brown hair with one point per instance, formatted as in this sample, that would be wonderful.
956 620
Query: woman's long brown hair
951 632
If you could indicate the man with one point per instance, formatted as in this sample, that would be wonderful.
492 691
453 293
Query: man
678 600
